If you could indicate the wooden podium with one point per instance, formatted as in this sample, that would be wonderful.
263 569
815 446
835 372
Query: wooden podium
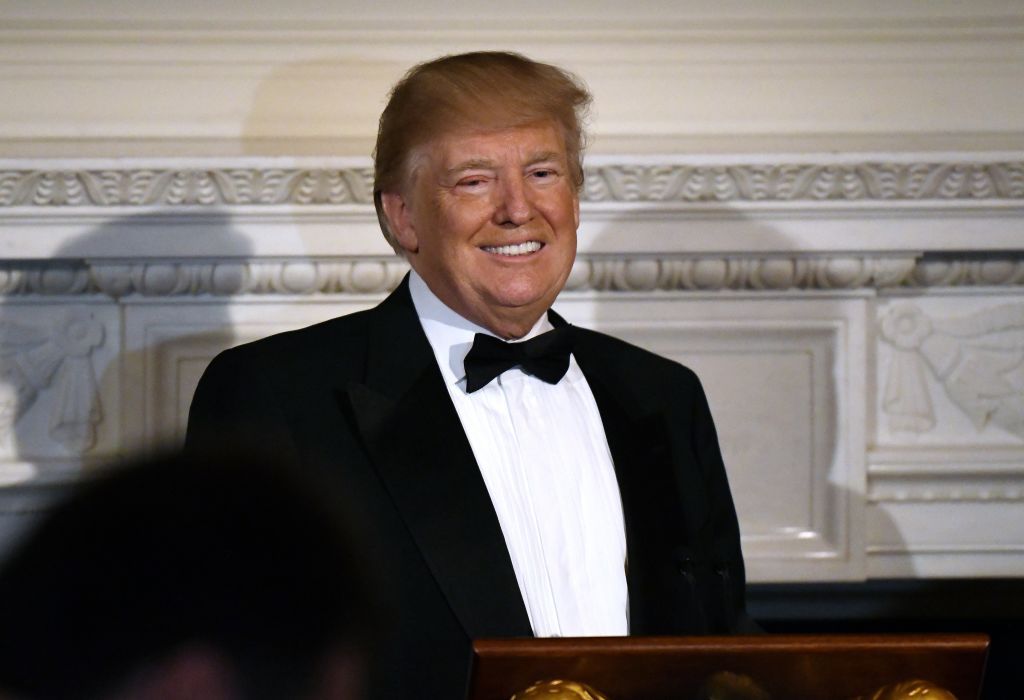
784 667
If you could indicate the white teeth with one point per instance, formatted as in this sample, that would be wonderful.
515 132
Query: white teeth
518 249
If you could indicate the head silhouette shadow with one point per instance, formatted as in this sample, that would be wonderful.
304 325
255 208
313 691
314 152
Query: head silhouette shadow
72 355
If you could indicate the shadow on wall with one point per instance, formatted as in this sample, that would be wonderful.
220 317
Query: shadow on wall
85 373
336 93
76 357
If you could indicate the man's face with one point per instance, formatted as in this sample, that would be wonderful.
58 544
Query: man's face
489 222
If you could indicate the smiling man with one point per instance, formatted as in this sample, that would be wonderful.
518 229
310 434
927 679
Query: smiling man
489 222
514 475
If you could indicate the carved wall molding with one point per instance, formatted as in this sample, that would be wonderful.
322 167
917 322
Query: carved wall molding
960 488
737 273
824 181
806 182
188 186
950 272
374 275
298 27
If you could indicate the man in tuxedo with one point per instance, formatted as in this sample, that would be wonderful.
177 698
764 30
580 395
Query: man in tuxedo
515 475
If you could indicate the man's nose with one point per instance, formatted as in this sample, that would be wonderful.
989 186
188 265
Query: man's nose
514 206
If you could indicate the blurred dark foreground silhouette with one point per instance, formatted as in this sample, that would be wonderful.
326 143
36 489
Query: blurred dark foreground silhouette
186 576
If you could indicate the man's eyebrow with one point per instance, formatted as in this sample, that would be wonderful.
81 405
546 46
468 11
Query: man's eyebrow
485 164
544 156
471 164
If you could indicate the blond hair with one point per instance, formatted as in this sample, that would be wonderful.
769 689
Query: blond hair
480 91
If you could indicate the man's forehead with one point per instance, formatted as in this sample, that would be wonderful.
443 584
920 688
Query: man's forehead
459 150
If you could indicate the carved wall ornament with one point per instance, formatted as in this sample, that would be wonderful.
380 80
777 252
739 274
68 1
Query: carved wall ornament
603 273
978 359
815 182
962 489
374 275
786 182
172 187
946 272
735 272
34 358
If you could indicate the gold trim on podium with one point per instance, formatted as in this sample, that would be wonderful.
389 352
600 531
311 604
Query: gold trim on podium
729 686
910 690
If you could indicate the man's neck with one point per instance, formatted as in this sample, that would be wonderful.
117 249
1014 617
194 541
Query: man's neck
449 334
516 327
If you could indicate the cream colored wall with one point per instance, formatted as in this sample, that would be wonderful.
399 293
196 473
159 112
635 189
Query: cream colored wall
817 205
309 77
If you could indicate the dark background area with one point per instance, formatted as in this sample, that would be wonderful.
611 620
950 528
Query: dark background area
991 606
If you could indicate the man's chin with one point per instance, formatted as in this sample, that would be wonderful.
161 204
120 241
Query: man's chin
520 315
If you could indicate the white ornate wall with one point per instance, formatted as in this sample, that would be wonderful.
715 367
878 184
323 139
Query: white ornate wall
819 209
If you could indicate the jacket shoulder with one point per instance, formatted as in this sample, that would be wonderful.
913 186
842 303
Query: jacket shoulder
246 390
351 327
340 341
635 363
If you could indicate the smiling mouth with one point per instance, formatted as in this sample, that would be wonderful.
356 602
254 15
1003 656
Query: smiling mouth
514 250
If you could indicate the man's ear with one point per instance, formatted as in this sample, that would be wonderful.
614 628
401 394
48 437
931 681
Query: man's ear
399 218
576 210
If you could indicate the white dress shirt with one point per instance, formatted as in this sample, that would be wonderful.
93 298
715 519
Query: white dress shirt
542 451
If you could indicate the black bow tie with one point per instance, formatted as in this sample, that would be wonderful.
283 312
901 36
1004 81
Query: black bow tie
545 357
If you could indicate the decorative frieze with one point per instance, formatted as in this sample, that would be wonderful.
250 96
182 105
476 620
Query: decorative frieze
680 183
738 273
952 272
173 187
957 488
965 474
976 358
806 182
374 275
34 358
226 278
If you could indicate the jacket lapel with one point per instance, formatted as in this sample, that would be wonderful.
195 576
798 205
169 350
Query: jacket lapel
657 522
420 451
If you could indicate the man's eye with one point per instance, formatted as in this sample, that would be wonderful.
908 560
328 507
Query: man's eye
543 174
471 182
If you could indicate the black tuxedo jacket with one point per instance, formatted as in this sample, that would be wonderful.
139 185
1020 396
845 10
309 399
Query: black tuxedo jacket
360 399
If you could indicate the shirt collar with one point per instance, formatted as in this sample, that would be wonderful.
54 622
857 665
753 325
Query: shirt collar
449 334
